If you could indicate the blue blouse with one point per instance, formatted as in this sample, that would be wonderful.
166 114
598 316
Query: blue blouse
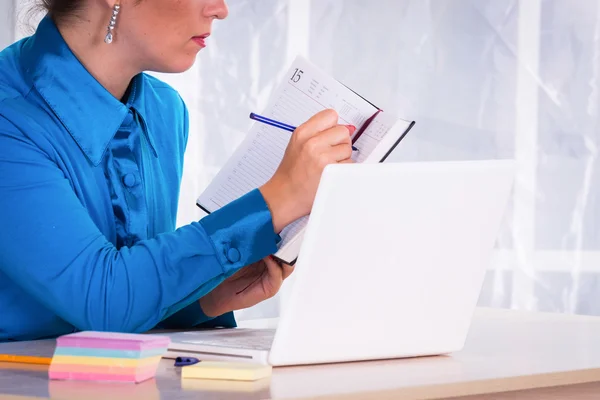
89 188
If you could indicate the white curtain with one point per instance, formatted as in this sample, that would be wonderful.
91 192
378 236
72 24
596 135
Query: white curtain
482 78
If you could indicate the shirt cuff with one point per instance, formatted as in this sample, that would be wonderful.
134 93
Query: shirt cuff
186 318
226 320
193 316
242 231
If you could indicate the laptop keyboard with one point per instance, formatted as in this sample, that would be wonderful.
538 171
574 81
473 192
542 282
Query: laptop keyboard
253 339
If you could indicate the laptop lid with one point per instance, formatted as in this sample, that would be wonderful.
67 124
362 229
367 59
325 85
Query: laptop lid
393 261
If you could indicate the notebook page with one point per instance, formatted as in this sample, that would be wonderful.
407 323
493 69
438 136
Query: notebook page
305 91
379 137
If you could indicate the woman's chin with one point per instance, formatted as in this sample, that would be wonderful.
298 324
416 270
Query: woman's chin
176 66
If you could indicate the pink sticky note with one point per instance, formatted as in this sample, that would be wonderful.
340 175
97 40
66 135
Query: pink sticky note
107 377
113 340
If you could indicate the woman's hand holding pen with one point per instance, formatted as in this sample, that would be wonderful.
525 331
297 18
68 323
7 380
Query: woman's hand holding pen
318 142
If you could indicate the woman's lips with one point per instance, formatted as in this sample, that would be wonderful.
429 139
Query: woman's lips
200 40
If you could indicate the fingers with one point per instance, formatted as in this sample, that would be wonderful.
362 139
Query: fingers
339 134
340 153
274 271
333 144
319 122
286 269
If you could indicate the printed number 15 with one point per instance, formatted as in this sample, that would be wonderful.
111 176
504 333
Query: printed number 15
297 75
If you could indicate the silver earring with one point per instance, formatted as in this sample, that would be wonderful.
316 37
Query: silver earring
111 25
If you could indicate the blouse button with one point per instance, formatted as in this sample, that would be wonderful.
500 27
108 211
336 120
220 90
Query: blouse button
130 180
233 255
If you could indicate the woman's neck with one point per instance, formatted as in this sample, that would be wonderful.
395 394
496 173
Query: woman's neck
107 63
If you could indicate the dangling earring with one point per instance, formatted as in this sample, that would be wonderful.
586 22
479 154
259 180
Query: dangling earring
111 26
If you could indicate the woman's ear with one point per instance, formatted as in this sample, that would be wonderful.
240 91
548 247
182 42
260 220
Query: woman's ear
108 5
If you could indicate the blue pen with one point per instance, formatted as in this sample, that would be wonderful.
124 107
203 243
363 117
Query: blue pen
277 124
184 361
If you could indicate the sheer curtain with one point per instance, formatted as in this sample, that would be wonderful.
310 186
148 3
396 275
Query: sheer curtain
482 78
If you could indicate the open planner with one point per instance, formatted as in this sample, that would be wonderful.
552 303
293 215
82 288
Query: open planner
305 91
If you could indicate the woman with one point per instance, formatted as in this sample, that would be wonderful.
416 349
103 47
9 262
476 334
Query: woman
91 154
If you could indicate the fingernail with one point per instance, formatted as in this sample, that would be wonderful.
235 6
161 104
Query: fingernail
351 128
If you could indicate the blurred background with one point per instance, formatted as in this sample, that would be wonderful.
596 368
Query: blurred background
484 79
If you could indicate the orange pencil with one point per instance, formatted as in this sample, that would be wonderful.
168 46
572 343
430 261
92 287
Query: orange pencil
25 359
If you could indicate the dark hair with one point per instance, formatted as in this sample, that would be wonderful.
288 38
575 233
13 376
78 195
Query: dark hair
58 9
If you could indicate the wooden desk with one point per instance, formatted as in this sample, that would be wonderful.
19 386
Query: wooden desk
547 356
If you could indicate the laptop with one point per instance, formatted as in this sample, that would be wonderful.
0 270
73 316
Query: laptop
391 266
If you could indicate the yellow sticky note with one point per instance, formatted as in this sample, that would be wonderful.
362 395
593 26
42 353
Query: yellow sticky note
226 370
221 385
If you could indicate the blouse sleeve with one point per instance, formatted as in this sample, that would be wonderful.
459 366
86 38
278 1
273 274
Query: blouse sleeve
51 248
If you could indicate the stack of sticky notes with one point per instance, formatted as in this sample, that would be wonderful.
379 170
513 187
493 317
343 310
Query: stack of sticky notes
107 356
237 371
